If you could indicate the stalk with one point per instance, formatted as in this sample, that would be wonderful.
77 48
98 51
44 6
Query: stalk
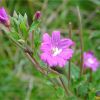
69 64
32 40
90 75
81 40
38 67
63 85
35 64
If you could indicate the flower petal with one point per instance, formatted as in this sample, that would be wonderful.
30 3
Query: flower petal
65 43
45 47
46 38
3 16
55 37
66 54
52 61
44 56
61 62
3 13
48 59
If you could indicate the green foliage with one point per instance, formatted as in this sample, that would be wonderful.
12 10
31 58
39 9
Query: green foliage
34 26
20 25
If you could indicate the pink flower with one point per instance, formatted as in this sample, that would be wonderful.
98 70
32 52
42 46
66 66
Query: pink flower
4 17
90 61
37 15
56 51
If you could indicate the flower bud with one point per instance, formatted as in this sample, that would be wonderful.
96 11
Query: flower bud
37 15
4 19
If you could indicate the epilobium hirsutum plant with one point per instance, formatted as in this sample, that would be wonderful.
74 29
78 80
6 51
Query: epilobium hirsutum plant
55 51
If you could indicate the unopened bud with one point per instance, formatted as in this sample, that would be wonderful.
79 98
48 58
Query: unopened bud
37 15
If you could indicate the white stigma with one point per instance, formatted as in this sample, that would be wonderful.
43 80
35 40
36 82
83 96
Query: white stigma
90 61
56 51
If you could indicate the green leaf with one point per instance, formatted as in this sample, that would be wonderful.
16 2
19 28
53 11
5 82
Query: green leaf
14 23
25 18
60 92
83 90
23 29
34 26
15 14
74 70
20 18
21 41
22 24
14 35
91 95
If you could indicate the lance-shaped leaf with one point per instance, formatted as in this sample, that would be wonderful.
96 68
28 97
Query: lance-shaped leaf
34 25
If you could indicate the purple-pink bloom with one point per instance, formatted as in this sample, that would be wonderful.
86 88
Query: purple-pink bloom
90 61
56 51
37 15
4 19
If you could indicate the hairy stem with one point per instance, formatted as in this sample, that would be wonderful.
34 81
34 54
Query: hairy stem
38 67
35 63
81 40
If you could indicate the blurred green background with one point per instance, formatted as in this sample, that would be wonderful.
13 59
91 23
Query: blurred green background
18 79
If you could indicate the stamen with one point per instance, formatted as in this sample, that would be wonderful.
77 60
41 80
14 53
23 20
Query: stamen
90 61
56 51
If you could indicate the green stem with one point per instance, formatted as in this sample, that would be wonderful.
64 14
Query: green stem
35 63
90 75
38 67
69 64
81 40
32 41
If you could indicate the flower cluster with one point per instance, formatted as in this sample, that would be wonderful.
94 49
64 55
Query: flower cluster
56 51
